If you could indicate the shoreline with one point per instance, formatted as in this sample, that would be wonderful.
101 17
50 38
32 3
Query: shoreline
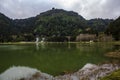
23 42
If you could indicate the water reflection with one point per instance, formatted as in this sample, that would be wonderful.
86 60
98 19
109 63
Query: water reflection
62 56
37 46
69 45
40 46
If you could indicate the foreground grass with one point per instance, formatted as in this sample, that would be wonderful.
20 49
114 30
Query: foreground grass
114 76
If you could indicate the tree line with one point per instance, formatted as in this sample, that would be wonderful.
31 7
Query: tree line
54 25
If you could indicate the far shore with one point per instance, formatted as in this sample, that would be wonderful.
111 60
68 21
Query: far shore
24 42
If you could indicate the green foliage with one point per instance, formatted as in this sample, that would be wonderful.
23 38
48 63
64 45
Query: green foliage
99 25
5 28
55 23
114 29
114 76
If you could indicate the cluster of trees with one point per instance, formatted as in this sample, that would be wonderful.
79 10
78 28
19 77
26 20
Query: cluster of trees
98 24
16 30
5 28
55 25
114 29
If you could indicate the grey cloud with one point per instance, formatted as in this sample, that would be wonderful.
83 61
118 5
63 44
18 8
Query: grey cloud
23 9
87 8
110 9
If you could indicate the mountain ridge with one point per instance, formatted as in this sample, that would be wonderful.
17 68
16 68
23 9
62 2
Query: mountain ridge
56 22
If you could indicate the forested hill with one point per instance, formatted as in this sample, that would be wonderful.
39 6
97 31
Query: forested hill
99 24
5 28
24 26
52 23
58 22
114 29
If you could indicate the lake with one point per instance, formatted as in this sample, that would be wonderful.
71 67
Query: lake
54 58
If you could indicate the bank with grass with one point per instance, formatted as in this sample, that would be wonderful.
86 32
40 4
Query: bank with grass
113 76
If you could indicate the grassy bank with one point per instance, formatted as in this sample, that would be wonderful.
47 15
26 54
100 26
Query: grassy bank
114 76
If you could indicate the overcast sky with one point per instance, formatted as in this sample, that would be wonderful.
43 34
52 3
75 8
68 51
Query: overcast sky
87 8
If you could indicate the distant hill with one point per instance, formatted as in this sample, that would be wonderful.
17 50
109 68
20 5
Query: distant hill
25 25
114 29
99 24
54 23
5 28
58 22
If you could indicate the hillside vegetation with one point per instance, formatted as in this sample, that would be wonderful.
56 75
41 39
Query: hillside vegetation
114 29
54 24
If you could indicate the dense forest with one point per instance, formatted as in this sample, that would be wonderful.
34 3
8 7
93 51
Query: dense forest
114 29
54 25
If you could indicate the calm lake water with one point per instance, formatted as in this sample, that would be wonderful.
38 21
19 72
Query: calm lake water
54 58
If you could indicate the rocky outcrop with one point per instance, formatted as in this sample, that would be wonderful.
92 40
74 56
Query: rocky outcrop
88 72
24 73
